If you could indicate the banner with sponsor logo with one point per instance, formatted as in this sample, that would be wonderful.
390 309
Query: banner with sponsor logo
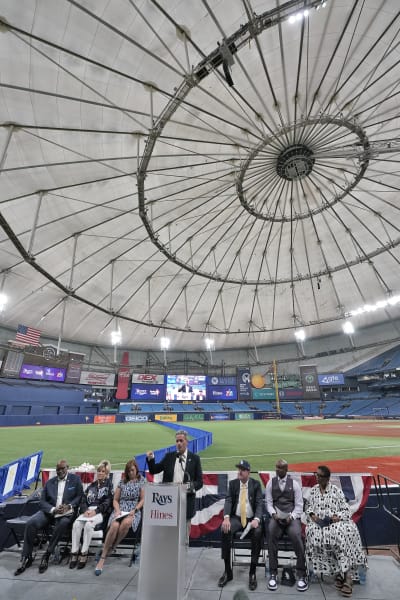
148 378
263 394
219 417
243 383
136 419
104 419
291 394
98 379
161 505
331 379
221 380
148 392
193 417
309 381
169 418
243 416
123 378
226 392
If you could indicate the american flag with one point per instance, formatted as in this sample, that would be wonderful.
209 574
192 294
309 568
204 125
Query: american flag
210 498
28 335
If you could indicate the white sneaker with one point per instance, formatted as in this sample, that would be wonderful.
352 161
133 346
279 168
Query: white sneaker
272 584
302 584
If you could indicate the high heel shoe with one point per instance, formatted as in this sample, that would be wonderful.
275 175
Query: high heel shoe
82 560
98 571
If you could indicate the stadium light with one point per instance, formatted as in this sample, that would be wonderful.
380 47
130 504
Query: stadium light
116 337
3 301
210 346
348 328
164 345
300 335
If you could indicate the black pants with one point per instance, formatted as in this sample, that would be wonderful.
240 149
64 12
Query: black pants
254 534
39 521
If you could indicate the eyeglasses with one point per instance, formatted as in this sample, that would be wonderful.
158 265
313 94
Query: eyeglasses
321 476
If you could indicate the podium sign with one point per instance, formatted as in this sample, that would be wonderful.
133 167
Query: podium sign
163 550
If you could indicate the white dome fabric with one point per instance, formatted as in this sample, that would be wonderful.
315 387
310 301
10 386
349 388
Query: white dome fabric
198 169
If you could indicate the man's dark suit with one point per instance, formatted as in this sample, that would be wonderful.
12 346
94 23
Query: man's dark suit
72 495
230 508
193 474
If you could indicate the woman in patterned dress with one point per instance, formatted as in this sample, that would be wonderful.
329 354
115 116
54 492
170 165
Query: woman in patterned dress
333 542
128 500
94 509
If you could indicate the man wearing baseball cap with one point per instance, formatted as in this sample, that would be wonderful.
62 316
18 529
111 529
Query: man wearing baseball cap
243 509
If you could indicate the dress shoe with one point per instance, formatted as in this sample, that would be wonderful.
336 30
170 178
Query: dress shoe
44 563
73 560
252 582
82 560
26 562
223 580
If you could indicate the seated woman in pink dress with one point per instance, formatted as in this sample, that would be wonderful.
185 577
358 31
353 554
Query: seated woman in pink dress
127 503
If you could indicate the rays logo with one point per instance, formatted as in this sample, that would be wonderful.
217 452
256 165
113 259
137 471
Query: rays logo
161 499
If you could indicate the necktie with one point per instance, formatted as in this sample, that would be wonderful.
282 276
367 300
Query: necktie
243 498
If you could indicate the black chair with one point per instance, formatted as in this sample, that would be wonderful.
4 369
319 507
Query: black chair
17 524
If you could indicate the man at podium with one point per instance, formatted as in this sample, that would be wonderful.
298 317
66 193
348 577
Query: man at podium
181 466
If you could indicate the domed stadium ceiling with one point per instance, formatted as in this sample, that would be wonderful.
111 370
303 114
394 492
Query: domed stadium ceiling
203 168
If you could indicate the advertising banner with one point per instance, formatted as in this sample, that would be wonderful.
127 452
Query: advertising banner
136 419
226 392
219 417
147 378
104 419
221 380
193 417
123 378
161 505
243 383
42 373
291 394
263 394
98 379
331 379
243 416
170 418
309 382
148 392
74 372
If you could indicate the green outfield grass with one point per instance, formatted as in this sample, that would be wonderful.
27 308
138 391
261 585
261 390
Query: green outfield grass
261 442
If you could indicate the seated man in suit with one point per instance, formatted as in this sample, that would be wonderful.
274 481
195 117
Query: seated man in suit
243 508
186 387
59 501
284 501
181 466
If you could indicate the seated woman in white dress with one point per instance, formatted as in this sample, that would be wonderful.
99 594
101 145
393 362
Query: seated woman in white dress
127 503
333 542
95 507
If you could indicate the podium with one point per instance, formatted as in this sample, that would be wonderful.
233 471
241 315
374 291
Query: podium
163 548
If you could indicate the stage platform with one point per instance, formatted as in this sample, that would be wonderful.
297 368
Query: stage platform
204 566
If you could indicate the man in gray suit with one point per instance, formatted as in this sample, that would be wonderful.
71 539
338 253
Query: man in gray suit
60 499
284 502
